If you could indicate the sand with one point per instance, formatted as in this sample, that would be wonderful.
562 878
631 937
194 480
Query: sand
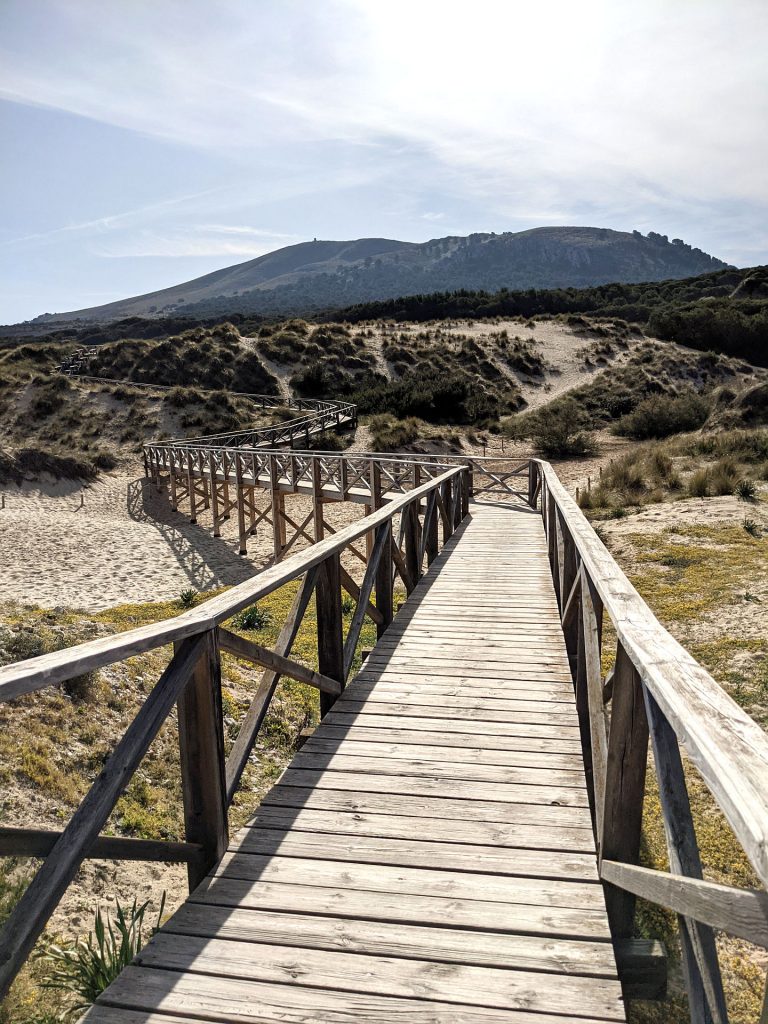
124 544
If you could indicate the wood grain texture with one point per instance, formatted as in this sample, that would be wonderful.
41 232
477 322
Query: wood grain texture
428 854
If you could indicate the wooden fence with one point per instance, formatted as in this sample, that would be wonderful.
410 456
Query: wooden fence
656 690
427 514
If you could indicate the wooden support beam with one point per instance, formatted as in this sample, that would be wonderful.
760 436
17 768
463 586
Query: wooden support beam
35 842
626 768
254 716
253 652
201 749
740 912
214 496
30 915
363 598
354 592
642 968
700 964
384 581
330 642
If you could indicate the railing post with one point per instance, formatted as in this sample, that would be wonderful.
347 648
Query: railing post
432 541
203 772
191 486
532 478
214 495
465 492
330 639
385 581
412 546
624 787
700 964
241 528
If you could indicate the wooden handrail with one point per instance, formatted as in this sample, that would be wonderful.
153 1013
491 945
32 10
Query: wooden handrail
657 693
58 666
192 681
727 747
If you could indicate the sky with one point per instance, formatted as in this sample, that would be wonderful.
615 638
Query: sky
146 142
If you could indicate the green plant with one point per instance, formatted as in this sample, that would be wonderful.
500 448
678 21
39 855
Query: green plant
751 527
89 965
187 598
746 490
662 415
347 605
252 618
557 431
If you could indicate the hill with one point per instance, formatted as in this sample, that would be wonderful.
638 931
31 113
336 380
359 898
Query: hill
322 274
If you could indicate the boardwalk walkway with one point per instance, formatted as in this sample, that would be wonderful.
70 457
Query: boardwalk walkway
428 855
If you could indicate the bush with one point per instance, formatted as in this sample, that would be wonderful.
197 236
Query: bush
724 477
388 433
698 484
557 431
187 598
746 490
662 415
252 618
88 966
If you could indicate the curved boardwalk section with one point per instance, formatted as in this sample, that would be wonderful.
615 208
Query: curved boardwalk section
428 855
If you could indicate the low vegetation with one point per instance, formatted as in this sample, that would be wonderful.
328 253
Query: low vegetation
53 744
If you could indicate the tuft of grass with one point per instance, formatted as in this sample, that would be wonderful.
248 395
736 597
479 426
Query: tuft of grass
252 618
88 966
751 527
699 483
187 598
746 490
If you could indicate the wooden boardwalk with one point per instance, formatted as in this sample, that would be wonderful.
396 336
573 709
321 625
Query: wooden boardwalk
428 855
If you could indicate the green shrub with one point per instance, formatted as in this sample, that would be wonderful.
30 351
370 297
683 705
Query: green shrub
746 490
388 433
751 527
187 598
88 966
662 415
557 431
252 618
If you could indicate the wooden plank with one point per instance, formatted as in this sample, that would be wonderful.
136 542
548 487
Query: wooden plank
420 731
410 880
430 768
477 755
437 785
246 1002
398 824
406 908
446 856
418 805
443 945
404 978
478 724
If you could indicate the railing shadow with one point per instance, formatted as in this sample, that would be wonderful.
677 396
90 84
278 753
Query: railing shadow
206 561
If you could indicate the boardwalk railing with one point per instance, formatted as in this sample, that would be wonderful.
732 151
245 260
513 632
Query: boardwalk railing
192 681
655 690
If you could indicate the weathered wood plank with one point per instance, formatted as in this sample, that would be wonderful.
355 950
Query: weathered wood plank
404 978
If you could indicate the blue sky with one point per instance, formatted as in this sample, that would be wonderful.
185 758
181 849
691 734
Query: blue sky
149 141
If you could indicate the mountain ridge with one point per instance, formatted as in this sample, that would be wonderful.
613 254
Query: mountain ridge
326 273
